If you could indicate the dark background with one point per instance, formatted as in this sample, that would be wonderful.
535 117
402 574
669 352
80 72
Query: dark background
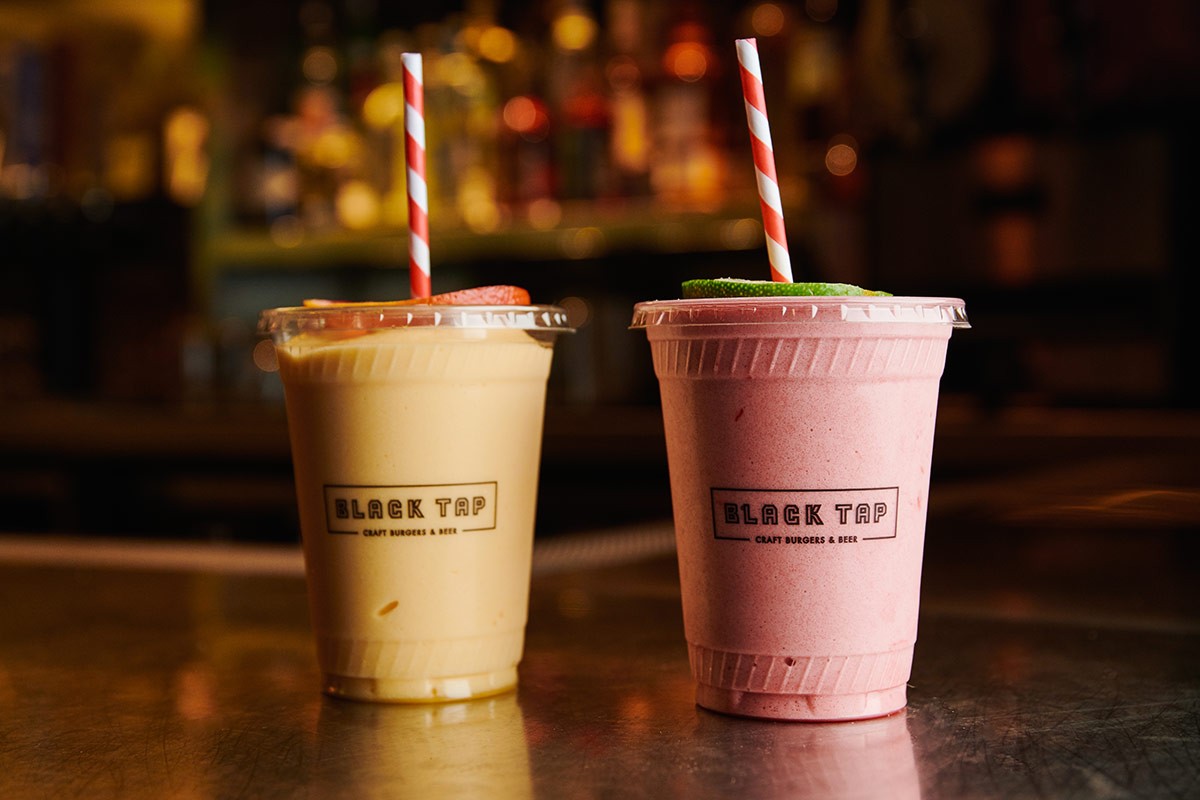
1035 158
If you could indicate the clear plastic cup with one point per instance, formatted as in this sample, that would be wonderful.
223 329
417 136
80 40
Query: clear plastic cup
799 438
416 440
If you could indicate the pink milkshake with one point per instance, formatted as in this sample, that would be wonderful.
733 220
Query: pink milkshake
799 436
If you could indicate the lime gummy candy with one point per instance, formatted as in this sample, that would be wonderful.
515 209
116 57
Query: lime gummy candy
738 287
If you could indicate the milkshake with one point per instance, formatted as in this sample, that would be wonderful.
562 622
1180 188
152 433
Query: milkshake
799 438
416 438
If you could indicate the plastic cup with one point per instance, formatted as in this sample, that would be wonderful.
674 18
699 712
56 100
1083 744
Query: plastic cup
416 439
799 438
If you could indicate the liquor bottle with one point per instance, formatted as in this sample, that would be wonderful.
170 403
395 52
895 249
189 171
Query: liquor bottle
688 167
627 72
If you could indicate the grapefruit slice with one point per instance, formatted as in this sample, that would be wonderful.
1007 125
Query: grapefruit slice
738 287
477 296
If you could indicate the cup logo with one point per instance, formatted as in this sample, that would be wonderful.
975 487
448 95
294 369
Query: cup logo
404 511
805 516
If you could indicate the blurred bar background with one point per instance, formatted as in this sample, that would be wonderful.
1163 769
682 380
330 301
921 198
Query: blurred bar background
168 169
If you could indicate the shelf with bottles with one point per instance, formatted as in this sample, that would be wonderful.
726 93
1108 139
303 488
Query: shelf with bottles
555 132
579 231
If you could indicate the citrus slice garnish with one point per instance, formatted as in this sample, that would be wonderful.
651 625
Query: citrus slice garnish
476 296
739 287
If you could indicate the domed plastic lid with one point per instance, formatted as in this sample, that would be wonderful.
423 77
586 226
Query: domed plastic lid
283 323
791 310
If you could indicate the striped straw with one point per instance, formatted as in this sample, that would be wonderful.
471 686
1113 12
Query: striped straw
418 192
764 160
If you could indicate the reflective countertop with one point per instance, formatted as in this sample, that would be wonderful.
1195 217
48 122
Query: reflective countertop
1052 662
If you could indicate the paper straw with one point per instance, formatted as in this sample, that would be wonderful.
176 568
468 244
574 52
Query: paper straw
764 160
418 192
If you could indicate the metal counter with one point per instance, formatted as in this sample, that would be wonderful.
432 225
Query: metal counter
1048 665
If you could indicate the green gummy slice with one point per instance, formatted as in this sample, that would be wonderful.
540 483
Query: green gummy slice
738 287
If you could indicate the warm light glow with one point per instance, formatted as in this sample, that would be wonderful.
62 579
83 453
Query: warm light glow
703 178
497 44
574 30
767 19
544 213
1012 247
334 149
742 234
18 180
520 114
468 38
460 71
687 61
162 21
195 685
630 131
481 215
185 158
1006 163
395 205
264 356
526 116
130 164
841 159
320 65
477 201
357 205
384 106
582 242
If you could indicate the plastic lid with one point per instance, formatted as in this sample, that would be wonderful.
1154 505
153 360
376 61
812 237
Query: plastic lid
288 322
791 310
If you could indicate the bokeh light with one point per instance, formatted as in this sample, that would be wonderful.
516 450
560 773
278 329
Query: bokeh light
459 70
384 106
319 65
334 149
767 19
544 214
573 30
579 243
687 61
357 205
520 114
742 234
264 356
477 201
579 311
527 116
497 44
841 157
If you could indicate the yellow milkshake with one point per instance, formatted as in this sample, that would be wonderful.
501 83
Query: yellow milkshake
416 437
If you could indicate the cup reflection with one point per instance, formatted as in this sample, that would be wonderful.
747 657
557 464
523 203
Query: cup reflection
474 748
842 760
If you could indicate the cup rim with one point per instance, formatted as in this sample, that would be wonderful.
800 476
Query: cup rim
293 320
713 311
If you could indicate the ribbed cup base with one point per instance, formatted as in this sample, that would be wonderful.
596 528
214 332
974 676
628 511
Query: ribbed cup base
418 671
803 707
815 688
420 690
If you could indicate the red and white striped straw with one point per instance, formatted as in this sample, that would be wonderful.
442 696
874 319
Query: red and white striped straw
418 192
764 160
